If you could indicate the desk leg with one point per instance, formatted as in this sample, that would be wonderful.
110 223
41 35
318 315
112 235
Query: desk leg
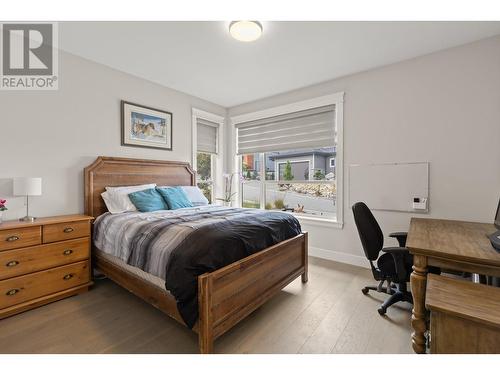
418 280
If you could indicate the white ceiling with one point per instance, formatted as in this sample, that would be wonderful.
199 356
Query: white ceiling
201 59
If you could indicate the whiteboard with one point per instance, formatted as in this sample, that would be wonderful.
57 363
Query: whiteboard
390 186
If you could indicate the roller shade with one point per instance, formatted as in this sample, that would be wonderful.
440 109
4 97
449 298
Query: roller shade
206 136
305 129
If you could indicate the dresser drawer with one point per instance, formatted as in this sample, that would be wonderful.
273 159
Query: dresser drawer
24 288
20 237
65 231
36 258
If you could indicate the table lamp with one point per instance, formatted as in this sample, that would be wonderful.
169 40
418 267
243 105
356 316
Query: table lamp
27 186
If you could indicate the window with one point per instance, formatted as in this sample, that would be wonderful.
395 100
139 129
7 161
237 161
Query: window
204 175
206 154
292 183
250 188
288 161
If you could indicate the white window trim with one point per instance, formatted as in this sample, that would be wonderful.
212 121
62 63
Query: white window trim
321 101
332 166
309 220
336 99
218 160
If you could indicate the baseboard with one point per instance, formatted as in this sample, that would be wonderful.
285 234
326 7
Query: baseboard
336 256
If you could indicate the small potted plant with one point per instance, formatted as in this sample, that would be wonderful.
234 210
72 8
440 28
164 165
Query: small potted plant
2 208
228 188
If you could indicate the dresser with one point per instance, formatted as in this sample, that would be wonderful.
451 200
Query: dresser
43 261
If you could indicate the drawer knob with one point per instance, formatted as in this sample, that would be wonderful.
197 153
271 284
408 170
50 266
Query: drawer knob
68 230
12 263
68 276
12 238
67 252
12 292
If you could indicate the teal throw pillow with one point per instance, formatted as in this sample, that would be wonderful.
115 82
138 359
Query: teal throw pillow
175 197
148 200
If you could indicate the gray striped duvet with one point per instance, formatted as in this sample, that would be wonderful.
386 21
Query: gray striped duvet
124 235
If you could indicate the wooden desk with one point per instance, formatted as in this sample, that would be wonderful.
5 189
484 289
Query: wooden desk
449 244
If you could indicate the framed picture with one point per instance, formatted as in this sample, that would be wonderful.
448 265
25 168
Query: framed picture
146 127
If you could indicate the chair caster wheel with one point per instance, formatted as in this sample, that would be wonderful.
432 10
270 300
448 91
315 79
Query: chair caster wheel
382 311
364 291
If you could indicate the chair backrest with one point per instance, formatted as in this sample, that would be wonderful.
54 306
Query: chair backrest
369 231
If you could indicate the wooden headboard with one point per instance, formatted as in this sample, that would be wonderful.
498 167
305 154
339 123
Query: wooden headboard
111 171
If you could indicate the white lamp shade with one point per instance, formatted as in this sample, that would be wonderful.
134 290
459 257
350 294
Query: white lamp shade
27 186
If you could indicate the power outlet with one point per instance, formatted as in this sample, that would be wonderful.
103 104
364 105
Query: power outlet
419 203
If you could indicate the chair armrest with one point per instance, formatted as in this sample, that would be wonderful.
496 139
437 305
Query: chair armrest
399 254
396 250
400 236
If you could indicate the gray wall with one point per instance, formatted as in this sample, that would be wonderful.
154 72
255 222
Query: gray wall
54 135
443 108
320 163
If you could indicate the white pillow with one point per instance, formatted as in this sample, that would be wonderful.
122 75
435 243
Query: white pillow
138 187
117 200
194 194
112 207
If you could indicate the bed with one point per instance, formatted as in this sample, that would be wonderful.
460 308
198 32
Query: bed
226 295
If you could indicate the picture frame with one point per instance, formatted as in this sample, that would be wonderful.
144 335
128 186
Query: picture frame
146 127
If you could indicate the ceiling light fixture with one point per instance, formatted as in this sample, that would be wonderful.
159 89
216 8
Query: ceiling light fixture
245 31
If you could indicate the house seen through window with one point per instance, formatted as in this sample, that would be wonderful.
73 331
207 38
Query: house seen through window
301 180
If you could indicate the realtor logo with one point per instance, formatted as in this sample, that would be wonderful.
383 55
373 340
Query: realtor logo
29 58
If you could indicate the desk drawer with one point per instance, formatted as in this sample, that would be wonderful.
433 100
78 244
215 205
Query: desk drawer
65 231
36 258
24 288
20 237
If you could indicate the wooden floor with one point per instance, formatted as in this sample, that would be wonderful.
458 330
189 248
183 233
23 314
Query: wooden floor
329 314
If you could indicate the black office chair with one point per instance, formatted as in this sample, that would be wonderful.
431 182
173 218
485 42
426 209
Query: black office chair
393 267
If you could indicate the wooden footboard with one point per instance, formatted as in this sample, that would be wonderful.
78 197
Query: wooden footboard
228 295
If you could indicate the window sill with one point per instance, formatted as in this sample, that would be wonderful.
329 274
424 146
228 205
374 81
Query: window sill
321 222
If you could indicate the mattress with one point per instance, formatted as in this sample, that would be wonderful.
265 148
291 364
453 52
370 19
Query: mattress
151 279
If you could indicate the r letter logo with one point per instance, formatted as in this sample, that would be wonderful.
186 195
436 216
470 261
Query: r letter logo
29 58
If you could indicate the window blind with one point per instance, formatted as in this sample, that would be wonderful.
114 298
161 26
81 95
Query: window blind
304 129
206 136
